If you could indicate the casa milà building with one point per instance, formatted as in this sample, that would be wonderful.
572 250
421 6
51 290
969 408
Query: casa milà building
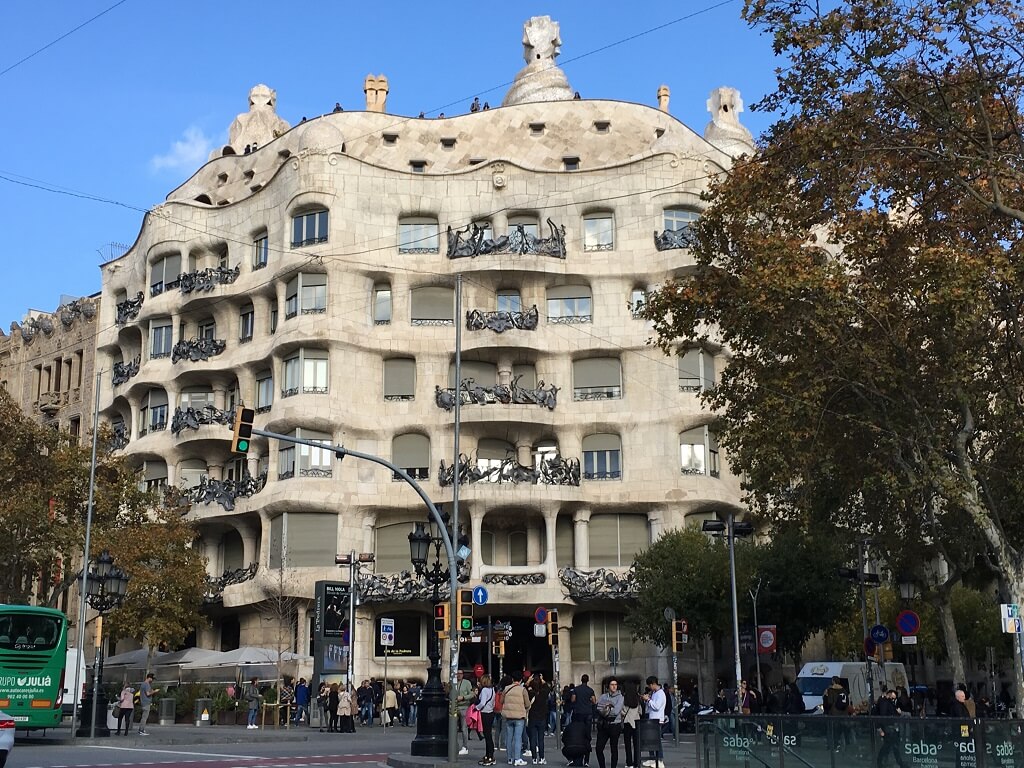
309 272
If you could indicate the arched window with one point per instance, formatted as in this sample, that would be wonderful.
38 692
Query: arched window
261 250
490 453
391 547
433 305
528 221
309 228
509 301
411 452
400 378
698 452
196 397
382 303
153 412
597 378
570 304
164 273
161 338
154 475
191 473
232 551
602 457
306 371
598 232
246 323
306 294
696 370
678 219
418 234
305 460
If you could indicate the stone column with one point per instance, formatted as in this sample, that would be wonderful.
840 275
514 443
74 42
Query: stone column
250 544
656 523
551 556
533 555
476 525
302 633
505 370
581 538
524 454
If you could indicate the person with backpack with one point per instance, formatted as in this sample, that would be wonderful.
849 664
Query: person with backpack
836 703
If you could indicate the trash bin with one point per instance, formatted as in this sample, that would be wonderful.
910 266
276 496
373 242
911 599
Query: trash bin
203 716
649 735
112 712
165 711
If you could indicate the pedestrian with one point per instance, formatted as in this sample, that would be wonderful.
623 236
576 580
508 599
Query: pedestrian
632 712
285 701
337 107
655 698
537 717
959 709
609 722
302 701
391 705
364 697
485 705
889 731
514 707
415 692
126 702
146 691
254 698
583 699
406 705
836 703
576 743
345 723
463 695
475 106
333 699
323 703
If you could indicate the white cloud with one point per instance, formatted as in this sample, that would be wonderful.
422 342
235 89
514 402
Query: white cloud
186 154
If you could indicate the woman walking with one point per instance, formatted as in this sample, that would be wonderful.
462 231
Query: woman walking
515 705
126 702
345 724
631 714
486 709
333 698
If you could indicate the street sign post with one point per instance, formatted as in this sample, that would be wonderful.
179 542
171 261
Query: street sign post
908 622
879 633
541 615
387 639
480 595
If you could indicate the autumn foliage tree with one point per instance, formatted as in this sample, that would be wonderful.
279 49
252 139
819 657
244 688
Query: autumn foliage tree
865 270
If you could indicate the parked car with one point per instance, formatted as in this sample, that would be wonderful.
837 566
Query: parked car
6 737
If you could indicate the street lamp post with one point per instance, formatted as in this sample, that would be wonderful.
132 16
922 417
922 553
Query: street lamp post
106 586
354 562
757 639
732 529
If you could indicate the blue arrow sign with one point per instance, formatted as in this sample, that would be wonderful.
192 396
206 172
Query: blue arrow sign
880 633
479 596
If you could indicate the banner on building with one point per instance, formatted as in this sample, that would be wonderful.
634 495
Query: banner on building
767 639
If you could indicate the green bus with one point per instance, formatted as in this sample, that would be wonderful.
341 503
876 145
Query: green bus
33 654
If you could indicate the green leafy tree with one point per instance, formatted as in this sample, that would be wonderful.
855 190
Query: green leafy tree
865 271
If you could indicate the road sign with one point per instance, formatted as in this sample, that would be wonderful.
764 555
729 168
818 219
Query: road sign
541 616
670 614
908 623
478 670
613 655
909 640
480 595
767 639
387 632
1009 611
879 633
1013 626
540 630
869 646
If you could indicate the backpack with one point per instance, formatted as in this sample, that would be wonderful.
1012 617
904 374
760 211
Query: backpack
499 700
841 702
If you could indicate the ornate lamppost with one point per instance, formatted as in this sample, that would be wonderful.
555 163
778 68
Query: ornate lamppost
106 586
432 715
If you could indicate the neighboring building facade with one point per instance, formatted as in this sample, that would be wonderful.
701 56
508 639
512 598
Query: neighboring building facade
310 273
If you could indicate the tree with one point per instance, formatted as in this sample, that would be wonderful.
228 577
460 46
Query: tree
865 271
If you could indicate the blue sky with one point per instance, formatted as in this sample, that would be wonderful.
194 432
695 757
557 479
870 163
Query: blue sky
130 105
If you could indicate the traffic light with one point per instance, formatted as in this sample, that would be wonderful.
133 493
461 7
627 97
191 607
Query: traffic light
441 619
243 430
498 647
553 628
465 610
678 635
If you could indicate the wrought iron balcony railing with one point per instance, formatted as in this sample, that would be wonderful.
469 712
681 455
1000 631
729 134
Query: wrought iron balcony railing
554 471
128 309
124 371
215 585
195 350
510 394
500 321
674 238
193 418
225 492
471 242
205 280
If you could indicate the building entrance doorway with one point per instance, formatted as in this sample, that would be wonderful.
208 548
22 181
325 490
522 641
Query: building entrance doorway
523 651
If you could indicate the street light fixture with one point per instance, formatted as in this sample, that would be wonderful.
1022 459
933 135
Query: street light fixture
731 529
106 586
354 562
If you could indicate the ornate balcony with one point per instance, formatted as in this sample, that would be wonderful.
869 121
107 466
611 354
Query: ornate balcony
403 587
193 418
555 471
570 319
671 239
470 242
50 402
205 280
124 371
599 584
224 492
435 321
501 321
514 579
215 584
316 472
128 309
195 350
511 394
597 393
118 437
608 475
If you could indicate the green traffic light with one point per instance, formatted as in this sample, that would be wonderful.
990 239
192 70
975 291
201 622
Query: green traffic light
243 445
467 625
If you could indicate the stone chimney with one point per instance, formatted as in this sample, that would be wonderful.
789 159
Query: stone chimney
376 90
663 94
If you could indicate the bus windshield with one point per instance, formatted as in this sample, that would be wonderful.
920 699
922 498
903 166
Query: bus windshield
21 632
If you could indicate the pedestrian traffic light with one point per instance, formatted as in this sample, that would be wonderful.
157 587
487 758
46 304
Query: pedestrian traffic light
465 610
678 635
243 430
441 619
553 628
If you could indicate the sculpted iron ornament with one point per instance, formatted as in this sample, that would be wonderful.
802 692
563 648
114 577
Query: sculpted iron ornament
510 394
124 371
514 579
602 583
674 238
128 309
470 242
554 471
224 492
215 584
195 350
193 418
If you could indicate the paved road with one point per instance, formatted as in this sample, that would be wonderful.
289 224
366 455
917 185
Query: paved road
184 746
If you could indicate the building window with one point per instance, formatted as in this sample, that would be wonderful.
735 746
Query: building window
307 371
306 293
570 163
482 373
309 229
246 323
302 539
433 305
154 476
264 391
696 370
391 546
417 166
530 224
602 126
592 634
448 143
164 274
491 453
486 229
160 338
196 398
411 452
602 457
597 378
570 304
418 235
598 232
207 329
509 301
390 139
536 129
382 304
273 320
312 461
261 252
637 299
677 219
400 379
698 452
191 473
615 540
153 412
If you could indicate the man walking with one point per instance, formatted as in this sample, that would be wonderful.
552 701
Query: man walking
890 731
836 703
364 698
583 700
655 698
302 701
146 691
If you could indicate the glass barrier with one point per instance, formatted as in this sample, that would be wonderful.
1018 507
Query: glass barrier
817 741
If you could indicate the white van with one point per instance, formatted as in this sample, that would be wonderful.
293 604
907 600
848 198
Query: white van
73 697
816 676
